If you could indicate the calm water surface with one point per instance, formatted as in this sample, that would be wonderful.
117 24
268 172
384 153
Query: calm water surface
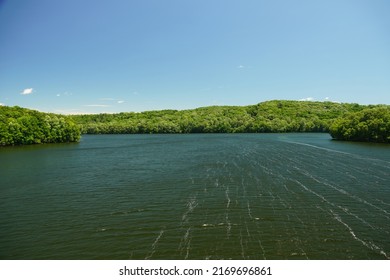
206 196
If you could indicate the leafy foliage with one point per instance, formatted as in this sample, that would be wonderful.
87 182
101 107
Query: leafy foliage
344 121
270 116
370 124
20 126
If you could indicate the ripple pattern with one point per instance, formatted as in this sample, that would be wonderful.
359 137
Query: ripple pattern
252 196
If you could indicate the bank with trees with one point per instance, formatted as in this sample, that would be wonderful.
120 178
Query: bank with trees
344 121
270 116
20 126
368 125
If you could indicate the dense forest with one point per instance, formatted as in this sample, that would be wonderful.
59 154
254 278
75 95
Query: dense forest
270 116
344 121
368 125
19 126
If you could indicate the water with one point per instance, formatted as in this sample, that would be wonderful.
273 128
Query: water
206 196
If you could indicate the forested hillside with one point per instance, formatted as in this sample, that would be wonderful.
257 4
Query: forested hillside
344 121
270 116
368 125
20 126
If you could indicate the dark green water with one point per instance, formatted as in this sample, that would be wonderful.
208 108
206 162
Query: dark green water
245 196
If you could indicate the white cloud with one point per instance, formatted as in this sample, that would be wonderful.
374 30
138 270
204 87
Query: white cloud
114 100
327 99
71 112
27 91
1 104
307 99
240 66
64 94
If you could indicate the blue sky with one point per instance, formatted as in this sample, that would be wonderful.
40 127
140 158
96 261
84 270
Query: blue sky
82 56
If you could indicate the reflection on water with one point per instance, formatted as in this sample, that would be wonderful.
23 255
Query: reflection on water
206 196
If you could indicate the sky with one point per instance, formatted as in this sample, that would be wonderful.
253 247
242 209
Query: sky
84 56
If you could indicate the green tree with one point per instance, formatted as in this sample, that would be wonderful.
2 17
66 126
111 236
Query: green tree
19 126
369 125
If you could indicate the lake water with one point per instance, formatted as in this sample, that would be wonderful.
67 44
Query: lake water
198 196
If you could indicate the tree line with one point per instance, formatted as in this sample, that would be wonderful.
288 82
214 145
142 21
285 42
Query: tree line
19 126
344 121
368 125
270 116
